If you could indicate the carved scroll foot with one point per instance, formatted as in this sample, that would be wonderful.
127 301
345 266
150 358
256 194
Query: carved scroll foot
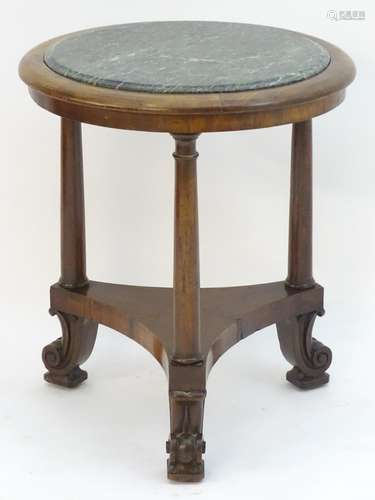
70 380
185 445
299 379
309 357
63 356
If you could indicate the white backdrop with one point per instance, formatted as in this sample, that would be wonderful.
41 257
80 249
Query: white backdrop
106 439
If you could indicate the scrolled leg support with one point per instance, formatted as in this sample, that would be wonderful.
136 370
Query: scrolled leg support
309 357
63 356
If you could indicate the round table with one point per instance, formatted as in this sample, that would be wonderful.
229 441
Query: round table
186 78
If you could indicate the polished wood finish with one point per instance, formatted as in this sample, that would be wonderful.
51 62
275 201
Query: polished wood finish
309 357
188 113
187 328
229 315
73 245
145 314
63 356
300 212
186 288
187 372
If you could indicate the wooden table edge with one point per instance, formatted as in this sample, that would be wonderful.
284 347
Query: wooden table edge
187 113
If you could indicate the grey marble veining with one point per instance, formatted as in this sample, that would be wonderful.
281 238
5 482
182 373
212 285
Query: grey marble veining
187 57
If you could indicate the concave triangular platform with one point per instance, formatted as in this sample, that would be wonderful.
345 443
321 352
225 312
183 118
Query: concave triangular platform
145 314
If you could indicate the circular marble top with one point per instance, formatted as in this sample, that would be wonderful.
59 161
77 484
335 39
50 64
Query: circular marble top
175 57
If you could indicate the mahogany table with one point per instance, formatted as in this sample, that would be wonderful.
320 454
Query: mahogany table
186 78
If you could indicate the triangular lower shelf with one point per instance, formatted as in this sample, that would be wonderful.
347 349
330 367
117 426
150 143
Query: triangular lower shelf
145 314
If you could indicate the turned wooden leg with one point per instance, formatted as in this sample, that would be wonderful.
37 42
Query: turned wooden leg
73 244
187 378
309 357
62 357
300 209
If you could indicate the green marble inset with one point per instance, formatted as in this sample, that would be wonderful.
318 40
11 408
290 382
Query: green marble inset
187 57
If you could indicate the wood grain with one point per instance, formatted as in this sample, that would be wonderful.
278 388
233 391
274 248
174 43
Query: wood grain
186 328
188 113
